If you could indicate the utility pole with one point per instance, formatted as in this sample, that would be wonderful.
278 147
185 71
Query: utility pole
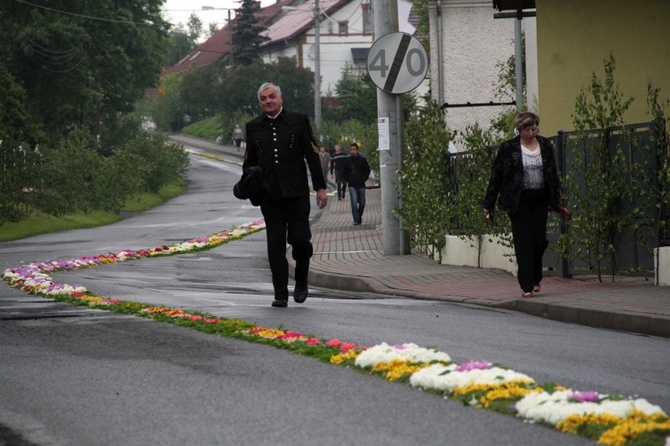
317 66
389 108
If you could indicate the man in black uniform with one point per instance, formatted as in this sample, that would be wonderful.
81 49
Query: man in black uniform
280 141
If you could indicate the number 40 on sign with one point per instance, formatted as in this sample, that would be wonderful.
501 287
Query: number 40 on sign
397 63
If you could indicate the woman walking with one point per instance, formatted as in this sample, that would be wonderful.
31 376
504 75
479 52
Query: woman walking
525 179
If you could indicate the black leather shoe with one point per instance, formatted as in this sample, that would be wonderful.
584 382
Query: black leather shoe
281 300
280 303
300 292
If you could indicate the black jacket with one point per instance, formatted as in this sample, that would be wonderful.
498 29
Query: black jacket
337 162
280 147
507 176
356 171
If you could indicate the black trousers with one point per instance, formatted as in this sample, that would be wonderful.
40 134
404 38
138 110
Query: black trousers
341 184
287 220
529 230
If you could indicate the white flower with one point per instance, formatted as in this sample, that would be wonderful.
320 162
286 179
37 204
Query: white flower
405 352
446 378
554 408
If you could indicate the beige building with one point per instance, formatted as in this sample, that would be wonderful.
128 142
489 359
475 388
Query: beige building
566 43
575 37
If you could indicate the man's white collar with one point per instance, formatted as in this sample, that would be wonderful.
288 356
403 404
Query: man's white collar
275 116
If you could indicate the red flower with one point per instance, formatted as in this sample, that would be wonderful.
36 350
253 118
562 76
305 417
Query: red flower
335 343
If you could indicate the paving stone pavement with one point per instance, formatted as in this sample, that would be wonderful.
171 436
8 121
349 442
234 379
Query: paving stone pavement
350 258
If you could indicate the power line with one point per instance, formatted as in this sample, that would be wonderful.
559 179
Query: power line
128 22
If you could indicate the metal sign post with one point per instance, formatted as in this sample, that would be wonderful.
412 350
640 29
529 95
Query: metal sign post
397 64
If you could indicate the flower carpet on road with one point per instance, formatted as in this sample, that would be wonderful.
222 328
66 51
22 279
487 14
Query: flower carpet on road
612 420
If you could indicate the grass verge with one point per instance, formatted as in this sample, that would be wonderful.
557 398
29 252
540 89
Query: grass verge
41 223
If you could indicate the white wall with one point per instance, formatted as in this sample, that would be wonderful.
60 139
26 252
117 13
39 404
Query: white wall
473 43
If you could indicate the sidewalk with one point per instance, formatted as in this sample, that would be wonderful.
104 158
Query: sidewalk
350 258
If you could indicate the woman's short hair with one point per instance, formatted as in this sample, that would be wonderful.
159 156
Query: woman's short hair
267 85
526 119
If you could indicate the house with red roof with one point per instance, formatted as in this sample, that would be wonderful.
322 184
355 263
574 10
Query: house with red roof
345 36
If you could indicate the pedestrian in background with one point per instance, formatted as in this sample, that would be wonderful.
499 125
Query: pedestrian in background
356 173
280 142
337 167
324 157
238 136
525 176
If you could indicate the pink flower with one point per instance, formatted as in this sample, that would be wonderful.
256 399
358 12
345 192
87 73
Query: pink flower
473 365
335 343
313 341
584 397
346 346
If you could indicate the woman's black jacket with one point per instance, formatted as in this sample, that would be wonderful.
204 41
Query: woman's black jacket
507 176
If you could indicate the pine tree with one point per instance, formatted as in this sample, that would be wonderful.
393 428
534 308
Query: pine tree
247 34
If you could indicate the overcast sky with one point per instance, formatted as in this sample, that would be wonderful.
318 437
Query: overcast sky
176 11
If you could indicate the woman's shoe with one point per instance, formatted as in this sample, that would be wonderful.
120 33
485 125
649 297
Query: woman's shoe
536 288
527 294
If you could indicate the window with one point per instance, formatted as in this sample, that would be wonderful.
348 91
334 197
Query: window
367 19
343 28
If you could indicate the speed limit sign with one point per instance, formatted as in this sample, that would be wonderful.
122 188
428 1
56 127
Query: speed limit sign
397 63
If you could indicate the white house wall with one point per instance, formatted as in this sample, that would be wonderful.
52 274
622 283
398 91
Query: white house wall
335 50
473 43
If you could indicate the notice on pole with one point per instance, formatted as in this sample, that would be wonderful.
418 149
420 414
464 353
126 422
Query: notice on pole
384 134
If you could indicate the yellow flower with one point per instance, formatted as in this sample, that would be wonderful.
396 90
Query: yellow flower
270 333
629 428
507 390
397 368
572 423
489 387
342 357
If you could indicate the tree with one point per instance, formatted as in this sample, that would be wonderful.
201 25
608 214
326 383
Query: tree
426 187
195 92
247 31
598 180
238 91
81 63
357 100
184 40
212 29
180 46
195 27
18 138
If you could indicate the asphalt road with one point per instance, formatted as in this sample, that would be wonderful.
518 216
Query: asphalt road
72 376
